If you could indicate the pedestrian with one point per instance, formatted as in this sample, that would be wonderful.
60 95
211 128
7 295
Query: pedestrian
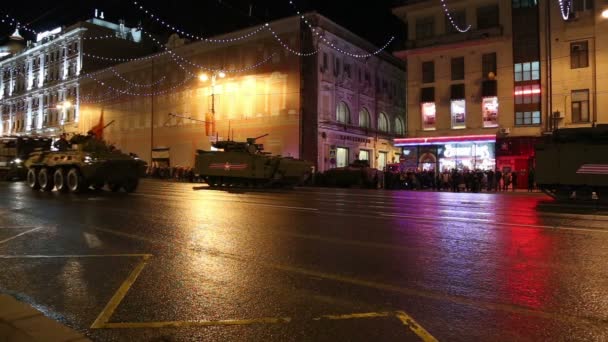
506 181
514 180
531 180
498 179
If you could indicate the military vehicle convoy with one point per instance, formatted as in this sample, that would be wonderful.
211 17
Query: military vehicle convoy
89 163
14 150
573 164
357 174
245 164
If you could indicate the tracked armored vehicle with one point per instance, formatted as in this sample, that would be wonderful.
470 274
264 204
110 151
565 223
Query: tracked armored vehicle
88 163
245 164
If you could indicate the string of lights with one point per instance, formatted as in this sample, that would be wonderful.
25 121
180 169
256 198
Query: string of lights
10 20
332 45
111 59
565 6
107 36
153 93
196 65
286 47
194 36
451 19
138 85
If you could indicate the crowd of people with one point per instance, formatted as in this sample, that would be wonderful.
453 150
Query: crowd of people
175 173
457 180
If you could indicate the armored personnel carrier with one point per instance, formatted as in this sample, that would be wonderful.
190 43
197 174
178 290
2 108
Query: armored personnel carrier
88 162
245 164
357 174
14 150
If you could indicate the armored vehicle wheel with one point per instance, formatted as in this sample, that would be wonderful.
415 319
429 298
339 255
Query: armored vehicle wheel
75 181
45 179
131 185
114 187
60 181
32 179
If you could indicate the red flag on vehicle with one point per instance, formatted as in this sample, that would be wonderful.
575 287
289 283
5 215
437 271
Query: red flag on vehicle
98 129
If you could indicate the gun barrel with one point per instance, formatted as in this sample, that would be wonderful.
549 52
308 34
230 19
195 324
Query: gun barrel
261 136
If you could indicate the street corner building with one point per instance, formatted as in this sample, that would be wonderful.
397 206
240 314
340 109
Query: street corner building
487 79
320 92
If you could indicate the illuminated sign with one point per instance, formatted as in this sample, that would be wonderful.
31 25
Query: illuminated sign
40 36
478 151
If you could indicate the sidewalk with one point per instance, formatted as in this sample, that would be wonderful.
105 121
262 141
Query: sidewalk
19 322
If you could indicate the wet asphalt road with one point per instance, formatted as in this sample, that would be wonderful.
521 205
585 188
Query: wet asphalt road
169 263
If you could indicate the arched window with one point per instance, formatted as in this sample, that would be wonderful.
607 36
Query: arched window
364 119
342 113
382 123
399 129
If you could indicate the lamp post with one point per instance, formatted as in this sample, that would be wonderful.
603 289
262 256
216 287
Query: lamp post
204 78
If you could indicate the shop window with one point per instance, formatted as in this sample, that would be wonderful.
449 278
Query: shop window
364 155
428 72
458 112
381 160
459 18
527 118
341 157
428 115
579 55
580 105
425 28
364 118
527 94
399 127
457 68
488 65
526 71
382 123
489 106
343 113
487 17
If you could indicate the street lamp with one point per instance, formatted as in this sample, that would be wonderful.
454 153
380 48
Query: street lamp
605 13
204 78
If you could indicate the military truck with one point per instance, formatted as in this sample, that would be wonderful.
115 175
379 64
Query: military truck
89 162
245 164
573 163
14 150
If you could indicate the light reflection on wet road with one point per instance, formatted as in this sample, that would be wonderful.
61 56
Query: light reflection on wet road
303 264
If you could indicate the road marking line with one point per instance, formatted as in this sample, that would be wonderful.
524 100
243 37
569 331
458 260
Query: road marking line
511 308
18 235
107 312
37 256
17 227
354 316
408 321
497 223
174 324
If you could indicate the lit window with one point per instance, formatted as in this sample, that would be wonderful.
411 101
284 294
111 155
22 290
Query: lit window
526 71
458 111
428 115
382 123
527 94
342 113
580 105
364 119
399 127
489 108
527 118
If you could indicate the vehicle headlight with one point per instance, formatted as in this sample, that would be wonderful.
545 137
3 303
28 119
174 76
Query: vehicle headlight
88 159
17 161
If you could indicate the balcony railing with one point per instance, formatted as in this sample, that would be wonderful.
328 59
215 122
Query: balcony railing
452 38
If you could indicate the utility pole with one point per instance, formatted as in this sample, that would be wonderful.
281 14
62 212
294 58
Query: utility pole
152 115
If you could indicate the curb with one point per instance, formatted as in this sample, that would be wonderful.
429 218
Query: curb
19 322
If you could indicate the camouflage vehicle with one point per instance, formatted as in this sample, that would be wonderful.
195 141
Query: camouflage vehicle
357 174
89 163
245 164
573 164
14 150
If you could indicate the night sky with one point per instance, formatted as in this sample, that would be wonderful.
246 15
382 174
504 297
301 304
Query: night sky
373 21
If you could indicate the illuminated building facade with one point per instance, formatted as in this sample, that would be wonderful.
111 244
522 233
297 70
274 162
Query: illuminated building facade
316 97
40 81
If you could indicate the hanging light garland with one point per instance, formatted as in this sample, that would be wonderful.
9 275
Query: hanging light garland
160 92
9 20
138 85
193 36
120 60
565 7
286 47
332 45
451 19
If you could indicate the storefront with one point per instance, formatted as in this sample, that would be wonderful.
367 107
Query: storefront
516 154
438 154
